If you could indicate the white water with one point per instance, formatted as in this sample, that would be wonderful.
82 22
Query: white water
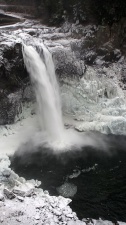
46 89
49 118
42 73
52 76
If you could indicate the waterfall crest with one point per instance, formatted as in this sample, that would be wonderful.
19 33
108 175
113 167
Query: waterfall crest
43 78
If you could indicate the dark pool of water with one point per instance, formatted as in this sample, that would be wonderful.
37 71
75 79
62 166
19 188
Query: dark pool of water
101 180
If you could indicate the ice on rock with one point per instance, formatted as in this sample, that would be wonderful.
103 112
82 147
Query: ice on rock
97 92
97 99
19 192
34 183
1 197
40 204
102 222
37 217
57 212
9 194
1 220
76 222
67 190
52 223
21 199
4 162
63 202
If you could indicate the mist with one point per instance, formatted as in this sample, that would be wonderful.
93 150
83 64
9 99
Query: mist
52 141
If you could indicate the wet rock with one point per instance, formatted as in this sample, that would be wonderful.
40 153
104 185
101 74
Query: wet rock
18 220
1 197
32 32
66 63
9 194
8 110
90 57
123 75
95 42
1 220
17 213
112 56
28 94
108 53
19 192
67 190
71 222
57 212
12 72
29 193
37 217
21 199
13 77
40 204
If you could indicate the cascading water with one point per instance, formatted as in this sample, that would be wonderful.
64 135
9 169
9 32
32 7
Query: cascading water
65 172
46 90
42 73
52 76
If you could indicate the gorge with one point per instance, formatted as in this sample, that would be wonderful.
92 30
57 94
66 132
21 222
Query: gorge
75 145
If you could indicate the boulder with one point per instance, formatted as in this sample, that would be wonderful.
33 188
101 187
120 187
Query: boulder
67 64
9 194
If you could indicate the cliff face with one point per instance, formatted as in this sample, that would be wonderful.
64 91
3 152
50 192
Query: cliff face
79 48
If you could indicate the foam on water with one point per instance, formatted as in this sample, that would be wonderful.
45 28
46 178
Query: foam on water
70 140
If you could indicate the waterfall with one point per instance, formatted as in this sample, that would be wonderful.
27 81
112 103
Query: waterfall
52 76
40 66
43 78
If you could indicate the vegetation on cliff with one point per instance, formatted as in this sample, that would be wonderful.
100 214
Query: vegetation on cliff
83 11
